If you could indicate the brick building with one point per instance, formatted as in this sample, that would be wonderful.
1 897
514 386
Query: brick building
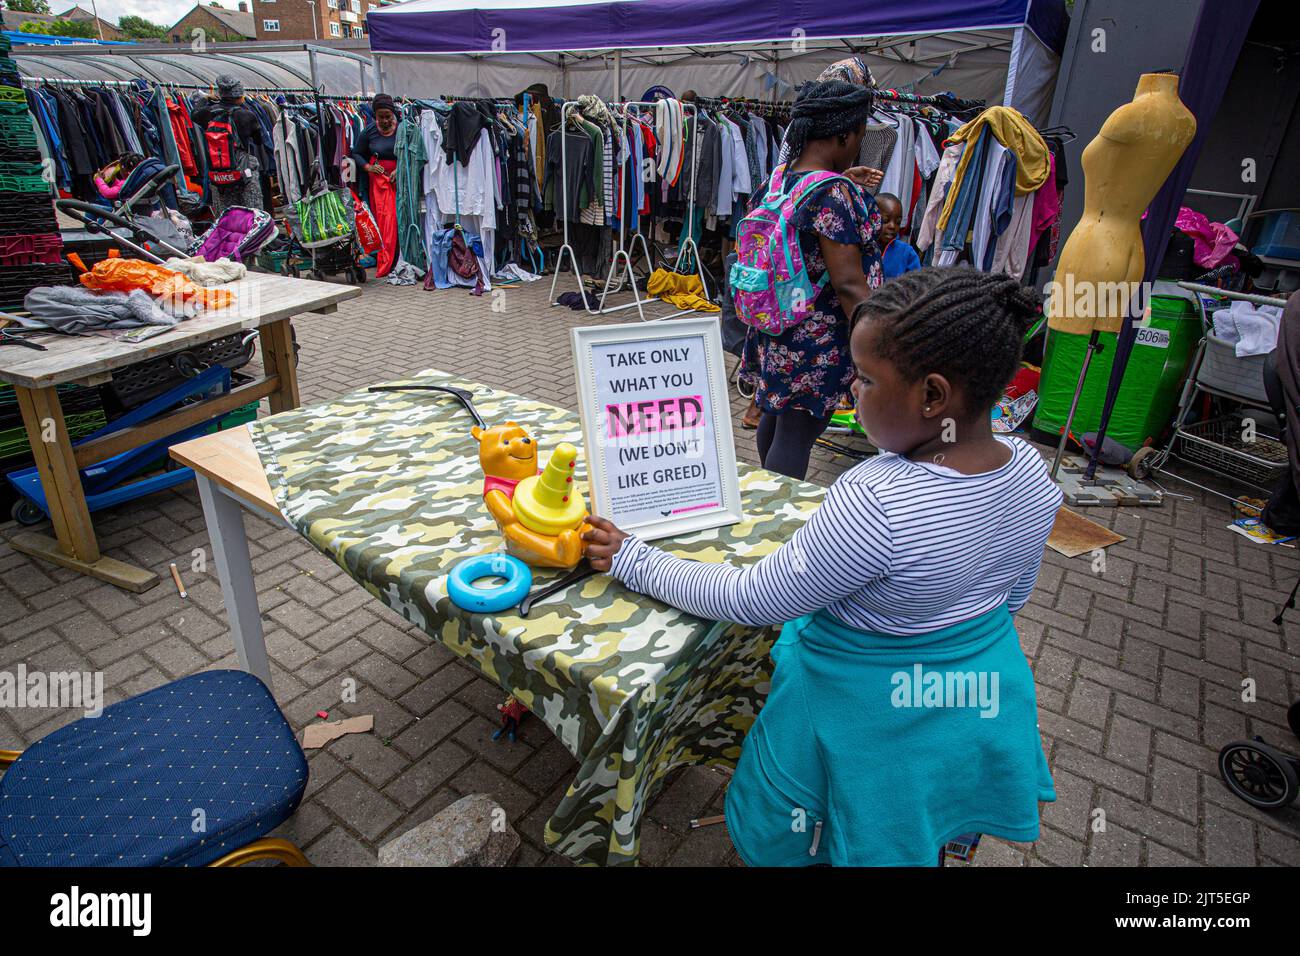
219 24
311 19
14 19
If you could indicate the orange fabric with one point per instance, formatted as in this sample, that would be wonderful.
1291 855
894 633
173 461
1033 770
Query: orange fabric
123 275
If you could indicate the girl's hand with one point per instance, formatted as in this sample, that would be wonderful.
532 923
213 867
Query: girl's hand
602 542
865 176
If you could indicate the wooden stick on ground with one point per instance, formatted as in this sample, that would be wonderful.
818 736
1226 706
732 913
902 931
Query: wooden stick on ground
176 576
707 821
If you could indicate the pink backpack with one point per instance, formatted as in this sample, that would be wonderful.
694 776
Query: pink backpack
769 280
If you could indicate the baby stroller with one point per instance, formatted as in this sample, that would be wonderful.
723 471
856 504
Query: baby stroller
322 228
133 225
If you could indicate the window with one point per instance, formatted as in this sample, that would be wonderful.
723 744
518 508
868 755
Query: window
271 26
358 32
334 30
356 6
334 4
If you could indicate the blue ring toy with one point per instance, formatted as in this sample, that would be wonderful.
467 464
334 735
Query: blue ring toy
463 593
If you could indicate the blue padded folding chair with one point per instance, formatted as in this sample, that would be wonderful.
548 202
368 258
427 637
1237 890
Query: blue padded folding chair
210 752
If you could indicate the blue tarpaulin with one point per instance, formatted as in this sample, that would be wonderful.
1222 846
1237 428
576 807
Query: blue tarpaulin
18 38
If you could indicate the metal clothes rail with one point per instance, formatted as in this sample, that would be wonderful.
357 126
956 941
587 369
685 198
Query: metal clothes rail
622 253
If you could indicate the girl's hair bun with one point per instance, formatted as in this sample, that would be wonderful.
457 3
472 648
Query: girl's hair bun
1022 302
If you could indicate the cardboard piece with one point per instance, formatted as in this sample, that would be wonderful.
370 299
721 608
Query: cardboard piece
1073 535
318 735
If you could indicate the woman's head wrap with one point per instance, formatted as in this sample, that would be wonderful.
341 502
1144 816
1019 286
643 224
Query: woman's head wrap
826 108
849 70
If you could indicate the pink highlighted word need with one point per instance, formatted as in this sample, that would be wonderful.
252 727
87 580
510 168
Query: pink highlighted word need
654 415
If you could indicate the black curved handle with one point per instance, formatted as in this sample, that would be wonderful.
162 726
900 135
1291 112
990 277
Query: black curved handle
152 185
83 211
581 572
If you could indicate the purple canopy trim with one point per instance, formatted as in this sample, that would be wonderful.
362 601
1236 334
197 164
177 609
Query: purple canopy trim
639 24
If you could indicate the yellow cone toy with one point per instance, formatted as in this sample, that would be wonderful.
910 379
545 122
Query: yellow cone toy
542 517
550 503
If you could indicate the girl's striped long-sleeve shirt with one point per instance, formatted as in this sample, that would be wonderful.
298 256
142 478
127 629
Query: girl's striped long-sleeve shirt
897 547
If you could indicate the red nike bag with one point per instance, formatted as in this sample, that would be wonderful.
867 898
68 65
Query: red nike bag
367 231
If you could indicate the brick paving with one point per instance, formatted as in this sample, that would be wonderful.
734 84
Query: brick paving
1139 668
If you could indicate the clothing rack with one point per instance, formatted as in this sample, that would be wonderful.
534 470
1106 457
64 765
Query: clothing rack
762 107
136 84
947 102
566 111
495 100
622 253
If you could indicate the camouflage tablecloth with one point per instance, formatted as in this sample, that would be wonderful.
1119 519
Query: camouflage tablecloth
388 485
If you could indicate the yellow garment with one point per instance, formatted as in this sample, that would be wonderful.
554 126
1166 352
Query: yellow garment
539 155
685 292
1012 130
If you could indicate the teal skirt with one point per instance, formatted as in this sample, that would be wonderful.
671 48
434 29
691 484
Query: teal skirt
876 749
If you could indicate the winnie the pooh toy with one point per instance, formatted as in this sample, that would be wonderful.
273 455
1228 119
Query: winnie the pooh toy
541 514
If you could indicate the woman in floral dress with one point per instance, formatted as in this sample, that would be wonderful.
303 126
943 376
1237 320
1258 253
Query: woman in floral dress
801 373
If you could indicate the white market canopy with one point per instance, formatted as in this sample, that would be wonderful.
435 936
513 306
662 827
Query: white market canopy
342 67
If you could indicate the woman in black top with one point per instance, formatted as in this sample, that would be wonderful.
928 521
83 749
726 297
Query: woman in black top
376 164
248 190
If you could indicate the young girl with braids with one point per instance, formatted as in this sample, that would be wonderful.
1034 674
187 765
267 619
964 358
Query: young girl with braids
800 374
902 711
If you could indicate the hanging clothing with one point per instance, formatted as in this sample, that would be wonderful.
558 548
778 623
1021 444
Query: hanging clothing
1012 253
995 189
942 182
967 189
568 185
461 135
409 148
383 204
1047 207
1014 132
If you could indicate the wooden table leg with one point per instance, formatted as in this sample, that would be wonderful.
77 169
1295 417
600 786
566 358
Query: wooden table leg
225 520
278 359
76 546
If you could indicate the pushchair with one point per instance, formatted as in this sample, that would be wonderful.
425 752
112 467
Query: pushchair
238 234
322 229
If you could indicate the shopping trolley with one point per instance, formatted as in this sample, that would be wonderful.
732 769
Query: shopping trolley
1231 444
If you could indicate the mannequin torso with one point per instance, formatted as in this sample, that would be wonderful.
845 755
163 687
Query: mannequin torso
1124 167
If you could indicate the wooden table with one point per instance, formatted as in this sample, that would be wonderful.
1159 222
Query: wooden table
263 302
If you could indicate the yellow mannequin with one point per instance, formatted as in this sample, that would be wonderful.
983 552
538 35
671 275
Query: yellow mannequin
1123 169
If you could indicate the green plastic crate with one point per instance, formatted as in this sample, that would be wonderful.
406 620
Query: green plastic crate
1153 378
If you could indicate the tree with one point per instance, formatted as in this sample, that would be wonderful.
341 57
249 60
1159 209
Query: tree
81 29
27 6
138 28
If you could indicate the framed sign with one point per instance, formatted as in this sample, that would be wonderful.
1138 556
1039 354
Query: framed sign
656 420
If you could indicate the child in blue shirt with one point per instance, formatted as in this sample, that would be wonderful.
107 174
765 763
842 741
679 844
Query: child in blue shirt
897 256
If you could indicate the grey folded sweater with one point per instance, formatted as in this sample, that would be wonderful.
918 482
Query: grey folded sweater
76 310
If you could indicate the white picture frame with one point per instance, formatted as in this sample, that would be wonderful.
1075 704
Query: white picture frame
662 379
